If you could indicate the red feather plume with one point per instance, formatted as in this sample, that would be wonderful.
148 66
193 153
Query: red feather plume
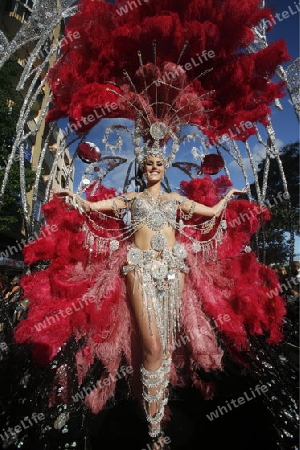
177 42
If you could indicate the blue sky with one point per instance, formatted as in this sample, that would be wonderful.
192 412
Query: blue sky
285 122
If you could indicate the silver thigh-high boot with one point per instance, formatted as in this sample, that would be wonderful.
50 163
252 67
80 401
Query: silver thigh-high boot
155 395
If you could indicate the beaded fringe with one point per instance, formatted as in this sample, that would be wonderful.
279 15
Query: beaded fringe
165 306
159 276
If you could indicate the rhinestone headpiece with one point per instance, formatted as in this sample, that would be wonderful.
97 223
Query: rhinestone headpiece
156 146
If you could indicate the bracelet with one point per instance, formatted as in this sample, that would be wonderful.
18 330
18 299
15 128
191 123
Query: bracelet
190 213
226 199
77 203
115 209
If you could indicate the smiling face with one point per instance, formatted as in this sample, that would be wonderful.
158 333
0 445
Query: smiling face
154 169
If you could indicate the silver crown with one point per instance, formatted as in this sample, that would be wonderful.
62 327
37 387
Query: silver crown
159 131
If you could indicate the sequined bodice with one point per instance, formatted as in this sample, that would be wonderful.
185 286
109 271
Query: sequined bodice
154 216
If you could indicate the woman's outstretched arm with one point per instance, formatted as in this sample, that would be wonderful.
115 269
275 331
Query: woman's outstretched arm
110 204
191 207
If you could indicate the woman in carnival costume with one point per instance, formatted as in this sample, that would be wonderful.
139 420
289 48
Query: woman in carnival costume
135 289
154 272
126 291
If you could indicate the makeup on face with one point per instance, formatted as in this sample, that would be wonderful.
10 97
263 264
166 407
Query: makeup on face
154 165
153 160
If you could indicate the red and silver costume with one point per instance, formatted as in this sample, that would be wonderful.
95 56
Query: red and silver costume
125 60
82 293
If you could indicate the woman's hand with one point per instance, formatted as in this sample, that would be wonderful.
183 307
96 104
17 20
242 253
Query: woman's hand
234 191
62 193
77 202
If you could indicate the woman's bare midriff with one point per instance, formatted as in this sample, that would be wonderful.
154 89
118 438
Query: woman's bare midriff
143 237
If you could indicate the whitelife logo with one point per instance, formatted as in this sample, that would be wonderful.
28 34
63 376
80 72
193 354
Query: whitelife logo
24 425
221 410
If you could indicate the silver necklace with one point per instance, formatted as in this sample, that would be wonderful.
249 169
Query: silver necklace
157 202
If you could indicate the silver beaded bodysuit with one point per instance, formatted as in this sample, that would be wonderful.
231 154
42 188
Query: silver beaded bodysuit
157 268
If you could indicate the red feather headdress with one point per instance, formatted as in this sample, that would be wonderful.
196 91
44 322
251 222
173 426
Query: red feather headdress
169 62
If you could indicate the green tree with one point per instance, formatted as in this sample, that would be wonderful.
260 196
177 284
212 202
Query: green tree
10 104
274 239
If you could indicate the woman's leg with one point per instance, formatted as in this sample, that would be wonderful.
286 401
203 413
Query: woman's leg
153 371
150 339
155 367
